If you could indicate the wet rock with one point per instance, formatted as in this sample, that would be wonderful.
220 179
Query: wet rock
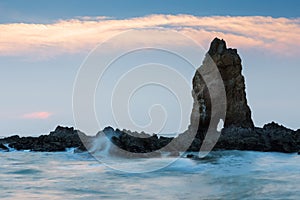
58 140
190 156
280 138
10 139
3 147
135 143
238 138
272 137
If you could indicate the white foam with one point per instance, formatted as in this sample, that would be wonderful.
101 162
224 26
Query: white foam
70 150
101 145
220 125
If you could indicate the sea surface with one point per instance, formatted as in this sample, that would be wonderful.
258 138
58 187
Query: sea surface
221 175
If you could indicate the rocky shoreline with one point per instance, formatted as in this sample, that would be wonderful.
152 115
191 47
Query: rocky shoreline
58 140
271 138
239 132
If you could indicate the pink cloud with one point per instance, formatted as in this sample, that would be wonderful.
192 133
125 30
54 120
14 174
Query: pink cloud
276 35
36 115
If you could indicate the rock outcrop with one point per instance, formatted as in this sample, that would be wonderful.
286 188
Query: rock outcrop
239 131
58 140
228 62
272 137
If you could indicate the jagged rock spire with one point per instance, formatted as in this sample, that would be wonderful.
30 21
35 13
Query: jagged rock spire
228 62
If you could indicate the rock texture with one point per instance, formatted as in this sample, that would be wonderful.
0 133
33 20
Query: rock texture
272 137
228 62
3 147
58 140
239 131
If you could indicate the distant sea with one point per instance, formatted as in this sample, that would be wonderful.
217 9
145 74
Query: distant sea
222 175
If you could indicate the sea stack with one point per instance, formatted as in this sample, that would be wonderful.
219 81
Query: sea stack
238 133
228 62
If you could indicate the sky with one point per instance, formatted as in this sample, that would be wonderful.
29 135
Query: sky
46 45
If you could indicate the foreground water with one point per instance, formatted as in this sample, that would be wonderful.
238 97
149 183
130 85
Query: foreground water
223 175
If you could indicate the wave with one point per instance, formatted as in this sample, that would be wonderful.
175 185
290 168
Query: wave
10 149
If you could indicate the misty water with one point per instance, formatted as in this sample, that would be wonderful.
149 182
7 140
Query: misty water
221 175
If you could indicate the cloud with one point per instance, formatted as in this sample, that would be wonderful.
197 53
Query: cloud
36 115
277 35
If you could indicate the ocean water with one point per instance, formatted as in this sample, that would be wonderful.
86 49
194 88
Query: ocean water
222 175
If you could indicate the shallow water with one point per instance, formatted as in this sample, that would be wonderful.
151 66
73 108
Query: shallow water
222 175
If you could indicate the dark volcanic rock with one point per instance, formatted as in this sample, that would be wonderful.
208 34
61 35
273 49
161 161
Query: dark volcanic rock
272 137
280 138
190 156
239 131
138 143
125 144
58 140
10 139
298 137
3 148
238 138
228 63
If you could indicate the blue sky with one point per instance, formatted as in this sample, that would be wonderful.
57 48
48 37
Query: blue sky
46 11
43 44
